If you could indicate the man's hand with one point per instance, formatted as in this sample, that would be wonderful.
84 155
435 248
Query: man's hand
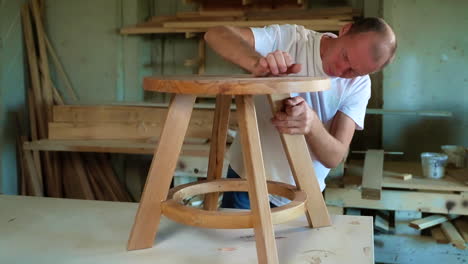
296 117
278 63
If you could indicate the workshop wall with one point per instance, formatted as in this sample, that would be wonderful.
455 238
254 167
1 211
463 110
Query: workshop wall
429 73
12 90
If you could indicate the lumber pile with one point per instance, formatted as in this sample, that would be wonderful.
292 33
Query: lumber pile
139 123
425 211
445 229
64 175
249 4
319 19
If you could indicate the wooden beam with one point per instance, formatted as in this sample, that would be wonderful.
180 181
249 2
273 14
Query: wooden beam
323 23
60 70
438 235
396 200
34 71
125 114
112 146
447 184
453 236
44 62
255 172
217 147
462 226
430 221
302 168
115 131
372 174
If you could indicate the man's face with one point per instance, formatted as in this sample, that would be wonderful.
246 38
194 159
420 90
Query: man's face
351 56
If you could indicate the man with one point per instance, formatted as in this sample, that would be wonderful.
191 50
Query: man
327 119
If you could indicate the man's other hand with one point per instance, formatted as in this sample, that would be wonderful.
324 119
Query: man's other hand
295 118
278 63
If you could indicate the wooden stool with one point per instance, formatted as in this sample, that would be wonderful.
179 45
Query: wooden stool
155 200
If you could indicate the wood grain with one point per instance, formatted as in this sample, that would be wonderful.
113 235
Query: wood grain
255 173
302 167
161 172
218 146
234 85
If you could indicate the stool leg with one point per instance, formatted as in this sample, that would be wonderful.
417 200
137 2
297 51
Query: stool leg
218 146
303 171
255 171
161 172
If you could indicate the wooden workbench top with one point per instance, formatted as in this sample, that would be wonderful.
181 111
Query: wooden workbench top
49 230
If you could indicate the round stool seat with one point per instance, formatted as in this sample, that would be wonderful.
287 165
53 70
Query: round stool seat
234 85
175 210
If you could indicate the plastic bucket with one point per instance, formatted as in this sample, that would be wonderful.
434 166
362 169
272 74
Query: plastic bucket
456 155
433 164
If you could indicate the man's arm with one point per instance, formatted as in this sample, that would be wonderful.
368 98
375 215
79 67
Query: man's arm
237 45
328 147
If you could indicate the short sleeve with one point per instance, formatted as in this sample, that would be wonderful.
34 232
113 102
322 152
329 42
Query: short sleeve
355 101
273 37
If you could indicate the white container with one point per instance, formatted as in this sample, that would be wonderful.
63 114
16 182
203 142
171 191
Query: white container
433 164
456 155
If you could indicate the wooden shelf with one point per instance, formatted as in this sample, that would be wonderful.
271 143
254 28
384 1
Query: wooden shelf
113 146
324 19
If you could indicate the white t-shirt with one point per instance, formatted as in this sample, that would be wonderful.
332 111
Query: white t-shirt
350 96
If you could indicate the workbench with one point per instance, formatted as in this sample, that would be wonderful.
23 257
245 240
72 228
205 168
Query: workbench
49 230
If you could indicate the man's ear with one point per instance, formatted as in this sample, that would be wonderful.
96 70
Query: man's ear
345 29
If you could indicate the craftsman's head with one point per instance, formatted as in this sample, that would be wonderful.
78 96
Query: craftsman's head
362 47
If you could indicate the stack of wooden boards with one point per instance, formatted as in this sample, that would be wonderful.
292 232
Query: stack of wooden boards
249 4
407 208
69 175
141 123
318 19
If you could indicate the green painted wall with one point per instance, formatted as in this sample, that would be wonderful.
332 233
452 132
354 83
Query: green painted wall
430 72
11 90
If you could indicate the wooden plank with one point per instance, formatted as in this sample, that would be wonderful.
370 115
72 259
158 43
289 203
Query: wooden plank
372 174
353 173
96 174
34 71
119 114
430 221
453 236
44 62
53 182
34 135
218 146
397 200
114 131
397 175
255 172
32 177
108 172
302 167
112 146
81 176
56 95
330 24
438 235
60 70
161 171
381 224
462 227
75 228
